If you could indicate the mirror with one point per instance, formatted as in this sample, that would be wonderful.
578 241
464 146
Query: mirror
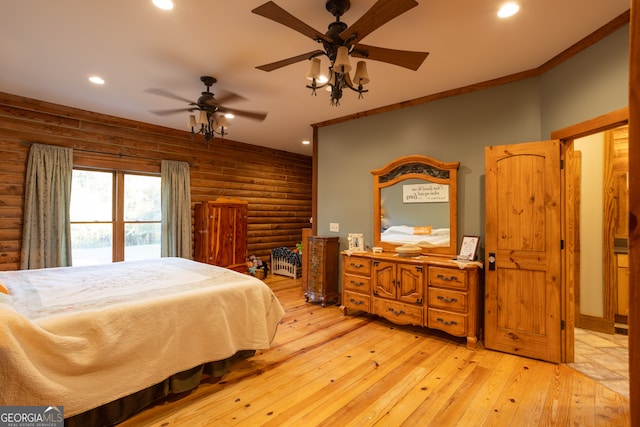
415 203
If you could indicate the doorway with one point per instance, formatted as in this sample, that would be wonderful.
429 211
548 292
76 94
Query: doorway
571 232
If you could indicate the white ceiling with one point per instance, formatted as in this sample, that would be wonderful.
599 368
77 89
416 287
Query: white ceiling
48 49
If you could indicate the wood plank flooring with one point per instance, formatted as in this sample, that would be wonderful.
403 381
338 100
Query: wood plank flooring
326 369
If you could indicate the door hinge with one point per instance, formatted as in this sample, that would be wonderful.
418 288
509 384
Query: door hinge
561 164
561 244
562 325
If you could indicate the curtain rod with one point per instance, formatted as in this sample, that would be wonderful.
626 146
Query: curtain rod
84 150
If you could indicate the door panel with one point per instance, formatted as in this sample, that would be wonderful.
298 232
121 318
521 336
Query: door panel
411 286
523 237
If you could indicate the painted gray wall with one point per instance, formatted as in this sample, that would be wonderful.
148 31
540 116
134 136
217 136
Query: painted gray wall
593 83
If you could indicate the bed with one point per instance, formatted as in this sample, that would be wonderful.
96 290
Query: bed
420 236
286 262
82 337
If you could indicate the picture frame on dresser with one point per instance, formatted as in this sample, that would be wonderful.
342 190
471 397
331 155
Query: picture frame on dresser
468 248
356 242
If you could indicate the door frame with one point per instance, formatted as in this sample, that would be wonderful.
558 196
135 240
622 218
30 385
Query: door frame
569 259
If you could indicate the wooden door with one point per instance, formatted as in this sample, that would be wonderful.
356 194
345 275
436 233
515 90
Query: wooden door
523 250
411 283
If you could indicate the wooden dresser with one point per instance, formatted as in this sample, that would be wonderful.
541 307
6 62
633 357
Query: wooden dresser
322 270
429 291
220 238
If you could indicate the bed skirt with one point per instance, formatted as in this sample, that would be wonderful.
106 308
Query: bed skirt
119 410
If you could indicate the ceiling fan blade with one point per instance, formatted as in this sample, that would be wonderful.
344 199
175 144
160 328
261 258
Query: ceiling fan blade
172 111
168 94
274 12
289 61
228 97
380 13
254 115
403 58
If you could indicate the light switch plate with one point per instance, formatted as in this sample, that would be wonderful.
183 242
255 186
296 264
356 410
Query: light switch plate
334 226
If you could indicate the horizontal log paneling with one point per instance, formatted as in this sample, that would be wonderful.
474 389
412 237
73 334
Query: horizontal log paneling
276 184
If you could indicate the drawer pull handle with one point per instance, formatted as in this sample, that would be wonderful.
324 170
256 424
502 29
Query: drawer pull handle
445 299
357 265
447 279
397 313
357 283
441 320
355 302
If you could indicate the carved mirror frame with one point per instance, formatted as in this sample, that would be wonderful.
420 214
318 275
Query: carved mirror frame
421 168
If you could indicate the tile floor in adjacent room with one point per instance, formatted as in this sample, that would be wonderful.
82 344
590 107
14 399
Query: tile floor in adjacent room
603 357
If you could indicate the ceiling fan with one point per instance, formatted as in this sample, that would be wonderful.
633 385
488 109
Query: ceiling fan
208 122
207 102
341 41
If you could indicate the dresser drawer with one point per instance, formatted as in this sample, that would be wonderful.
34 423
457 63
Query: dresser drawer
356 301
397 312
447 299
451 323
355 265
356 283
448 277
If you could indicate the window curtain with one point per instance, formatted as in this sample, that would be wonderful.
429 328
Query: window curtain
46 232
176 209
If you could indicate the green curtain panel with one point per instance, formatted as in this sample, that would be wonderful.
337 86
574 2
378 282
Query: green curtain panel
176 209
46 233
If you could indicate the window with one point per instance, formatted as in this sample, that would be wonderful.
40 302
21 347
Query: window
115 216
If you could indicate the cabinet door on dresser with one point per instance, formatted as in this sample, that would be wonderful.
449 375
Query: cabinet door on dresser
402 282
398 292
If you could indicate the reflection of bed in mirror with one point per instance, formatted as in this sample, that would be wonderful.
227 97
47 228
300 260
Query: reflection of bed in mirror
415 203
408 235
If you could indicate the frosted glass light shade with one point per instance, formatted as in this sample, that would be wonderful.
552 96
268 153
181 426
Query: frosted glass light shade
203 119
192 122
222 122
314 69
342 64
361 77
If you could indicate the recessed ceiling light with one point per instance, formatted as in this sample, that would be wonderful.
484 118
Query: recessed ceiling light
508 9
97 80
229 115
163 4
305 142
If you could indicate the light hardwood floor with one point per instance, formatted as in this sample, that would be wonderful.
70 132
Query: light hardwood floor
326 369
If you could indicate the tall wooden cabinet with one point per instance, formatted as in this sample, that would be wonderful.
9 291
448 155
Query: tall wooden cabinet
322 270
221 233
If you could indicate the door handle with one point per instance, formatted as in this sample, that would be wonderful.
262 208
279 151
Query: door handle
492 260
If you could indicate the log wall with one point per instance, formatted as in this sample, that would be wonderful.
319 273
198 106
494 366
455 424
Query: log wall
276 184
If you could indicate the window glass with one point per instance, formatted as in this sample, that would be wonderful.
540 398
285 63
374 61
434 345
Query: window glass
91 196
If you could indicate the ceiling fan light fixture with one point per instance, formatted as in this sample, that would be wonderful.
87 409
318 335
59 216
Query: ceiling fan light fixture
203 118
342 64
314 69
361 77
221 123
192 122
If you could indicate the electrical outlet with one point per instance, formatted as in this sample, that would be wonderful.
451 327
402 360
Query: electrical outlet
334 226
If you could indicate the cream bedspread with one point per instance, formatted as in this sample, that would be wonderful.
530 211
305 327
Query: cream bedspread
84 336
